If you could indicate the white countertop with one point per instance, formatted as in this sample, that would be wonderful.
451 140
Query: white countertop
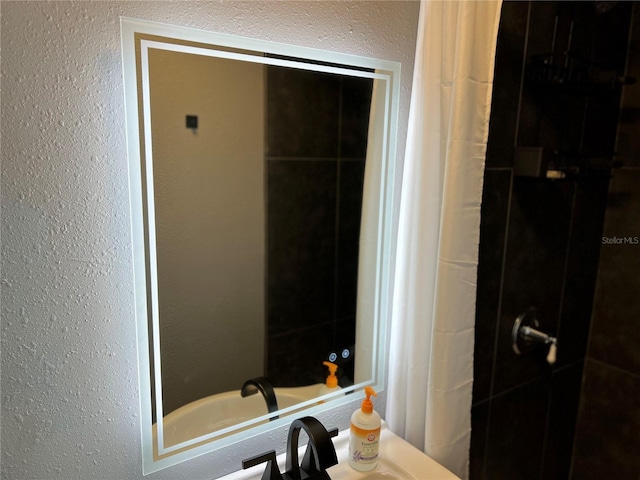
397 459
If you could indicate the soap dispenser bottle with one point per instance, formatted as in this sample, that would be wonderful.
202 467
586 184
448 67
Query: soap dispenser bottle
331 384
364 438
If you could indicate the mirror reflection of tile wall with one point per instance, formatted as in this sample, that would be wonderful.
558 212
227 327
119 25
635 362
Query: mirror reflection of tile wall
316 147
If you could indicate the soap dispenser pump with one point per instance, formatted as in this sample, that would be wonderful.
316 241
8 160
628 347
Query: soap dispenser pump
331 384
364 438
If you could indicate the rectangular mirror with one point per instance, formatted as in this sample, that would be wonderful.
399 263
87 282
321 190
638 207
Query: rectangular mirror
261 179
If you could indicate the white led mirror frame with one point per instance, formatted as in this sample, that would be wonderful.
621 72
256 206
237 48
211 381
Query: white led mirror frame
387 73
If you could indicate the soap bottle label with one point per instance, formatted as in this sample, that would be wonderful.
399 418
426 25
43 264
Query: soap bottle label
363 445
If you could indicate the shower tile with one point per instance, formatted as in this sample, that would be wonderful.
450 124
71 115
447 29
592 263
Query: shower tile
495 203
295 358
572 110
609 50
300 124
479 424
354 119
565 395
506 87
628 146
600 125
611 31
582 35
345 333
534 267
553 226
634 41
615 332
528 119
516 433
345 337
607 438
582 268
350 212
540 117
533 99
301 217
541 26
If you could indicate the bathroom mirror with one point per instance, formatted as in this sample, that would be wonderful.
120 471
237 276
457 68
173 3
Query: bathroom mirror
261 199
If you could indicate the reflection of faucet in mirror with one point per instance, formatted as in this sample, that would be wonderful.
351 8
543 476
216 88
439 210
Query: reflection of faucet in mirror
263 385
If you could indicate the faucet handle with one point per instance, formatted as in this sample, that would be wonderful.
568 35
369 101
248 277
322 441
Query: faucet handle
271 472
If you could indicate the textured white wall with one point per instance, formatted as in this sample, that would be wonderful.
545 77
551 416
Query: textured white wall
69 362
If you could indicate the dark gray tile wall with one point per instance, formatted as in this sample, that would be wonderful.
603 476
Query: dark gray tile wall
608 428
316 146
495 204
537 241
629 128
303 110
540 239
302 246
563 405
615 334
581 267
509 63
515 438
607 436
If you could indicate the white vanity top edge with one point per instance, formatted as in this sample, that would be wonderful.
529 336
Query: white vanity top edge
393 451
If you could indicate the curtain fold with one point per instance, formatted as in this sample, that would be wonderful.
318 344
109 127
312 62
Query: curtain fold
432 333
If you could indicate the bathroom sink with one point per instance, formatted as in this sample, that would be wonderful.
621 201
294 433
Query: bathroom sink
226 409
384 476
398 460
385 470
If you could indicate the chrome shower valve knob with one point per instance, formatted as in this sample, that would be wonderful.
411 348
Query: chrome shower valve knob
525 336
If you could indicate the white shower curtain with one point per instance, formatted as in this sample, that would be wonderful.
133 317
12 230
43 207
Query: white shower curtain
432 332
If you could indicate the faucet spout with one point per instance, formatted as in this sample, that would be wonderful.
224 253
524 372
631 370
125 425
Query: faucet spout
320 455
262 385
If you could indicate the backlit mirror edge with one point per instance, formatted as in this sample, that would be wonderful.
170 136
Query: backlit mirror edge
384 287
137 239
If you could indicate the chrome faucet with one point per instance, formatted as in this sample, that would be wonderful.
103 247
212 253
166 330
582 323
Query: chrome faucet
262 385
318 457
